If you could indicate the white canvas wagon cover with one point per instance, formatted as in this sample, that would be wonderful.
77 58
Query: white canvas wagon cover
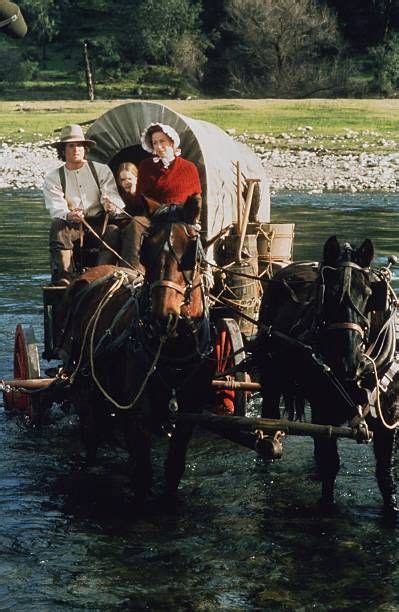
213 151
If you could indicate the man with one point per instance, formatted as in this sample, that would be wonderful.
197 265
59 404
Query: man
77 190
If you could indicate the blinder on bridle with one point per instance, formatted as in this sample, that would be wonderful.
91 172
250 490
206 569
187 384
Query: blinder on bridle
378 301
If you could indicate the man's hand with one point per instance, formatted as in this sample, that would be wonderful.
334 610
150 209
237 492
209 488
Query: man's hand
75 216
108 205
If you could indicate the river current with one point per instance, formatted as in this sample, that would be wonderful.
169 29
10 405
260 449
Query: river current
247 535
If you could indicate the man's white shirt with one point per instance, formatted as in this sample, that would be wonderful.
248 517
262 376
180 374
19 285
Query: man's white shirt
81 189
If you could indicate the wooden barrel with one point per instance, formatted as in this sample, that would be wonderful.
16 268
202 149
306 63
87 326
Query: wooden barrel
241 292
275 243
226 250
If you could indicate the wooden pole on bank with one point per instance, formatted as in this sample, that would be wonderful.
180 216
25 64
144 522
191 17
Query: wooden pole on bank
88 73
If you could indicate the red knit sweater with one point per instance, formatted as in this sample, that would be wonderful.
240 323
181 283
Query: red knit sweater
171 185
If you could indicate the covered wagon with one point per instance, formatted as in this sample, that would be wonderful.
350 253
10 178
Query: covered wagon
235 227
235 190
117 134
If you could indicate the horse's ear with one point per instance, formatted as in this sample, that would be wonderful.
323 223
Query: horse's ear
332 251
192 209
365 253
151 205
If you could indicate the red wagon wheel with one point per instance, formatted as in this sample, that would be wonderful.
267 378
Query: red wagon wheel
26 365
229 354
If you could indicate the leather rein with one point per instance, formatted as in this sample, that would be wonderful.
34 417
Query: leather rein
363 329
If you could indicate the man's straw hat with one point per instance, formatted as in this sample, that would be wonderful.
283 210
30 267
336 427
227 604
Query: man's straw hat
73 133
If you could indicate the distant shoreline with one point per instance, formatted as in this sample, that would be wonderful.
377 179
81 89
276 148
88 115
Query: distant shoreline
23 166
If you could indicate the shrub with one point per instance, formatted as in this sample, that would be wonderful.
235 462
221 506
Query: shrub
14 67
385 66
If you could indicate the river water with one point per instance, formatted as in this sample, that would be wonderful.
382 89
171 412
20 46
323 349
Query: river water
247 535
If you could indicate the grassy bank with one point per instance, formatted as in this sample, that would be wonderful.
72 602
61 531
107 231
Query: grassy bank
341 125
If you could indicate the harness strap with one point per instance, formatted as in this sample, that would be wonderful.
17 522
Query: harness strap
389 375
168 283
347 325
382 385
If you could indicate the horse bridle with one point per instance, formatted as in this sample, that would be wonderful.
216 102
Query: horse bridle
189 286
362 330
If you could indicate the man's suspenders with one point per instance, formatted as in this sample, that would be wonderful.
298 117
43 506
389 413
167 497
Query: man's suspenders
61 172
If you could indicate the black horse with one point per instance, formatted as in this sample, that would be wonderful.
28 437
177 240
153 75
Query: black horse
328 335
136 356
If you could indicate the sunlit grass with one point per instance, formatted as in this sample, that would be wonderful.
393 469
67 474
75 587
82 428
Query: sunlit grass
373 120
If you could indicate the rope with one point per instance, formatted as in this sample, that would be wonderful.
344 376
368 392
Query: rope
93 321
71 207
269 237
144 383
242 314
378 399
90 229
252 276
121 277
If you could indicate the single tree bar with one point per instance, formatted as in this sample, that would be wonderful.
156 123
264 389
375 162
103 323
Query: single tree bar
219 424
235 384
30 384
43 383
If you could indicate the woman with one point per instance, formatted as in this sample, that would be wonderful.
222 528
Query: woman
126 179
165 177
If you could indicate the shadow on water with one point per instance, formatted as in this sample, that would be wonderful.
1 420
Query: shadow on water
247 534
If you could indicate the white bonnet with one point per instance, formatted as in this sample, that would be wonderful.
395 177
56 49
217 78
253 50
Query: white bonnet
167 129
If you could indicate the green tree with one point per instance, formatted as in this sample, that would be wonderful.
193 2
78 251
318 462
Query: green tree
156 27
280 47
385 65
43 17
366 22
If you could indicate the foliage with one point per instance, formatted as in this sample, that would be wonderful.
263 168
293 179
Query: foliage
234 47
14 66
157 27
43 17
189 56
269 57
366 22
385 65
105 53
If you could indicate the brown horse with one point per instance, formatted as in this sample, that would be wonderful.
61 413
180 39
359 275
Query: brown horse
334 344
137 353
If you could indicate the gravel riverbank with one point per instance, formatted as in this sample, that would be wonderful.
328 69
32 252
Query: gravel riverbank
23 166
